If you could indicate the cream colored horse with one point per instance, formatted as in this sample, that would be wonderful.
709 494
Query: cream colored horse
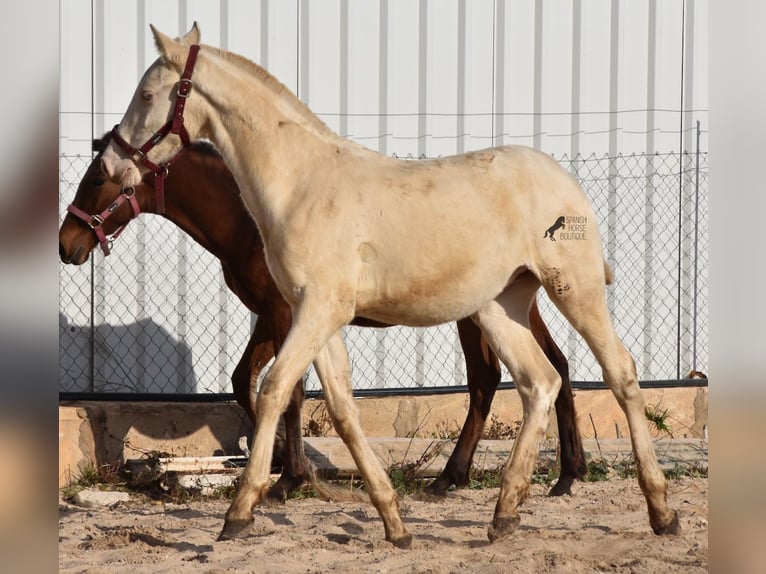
350 232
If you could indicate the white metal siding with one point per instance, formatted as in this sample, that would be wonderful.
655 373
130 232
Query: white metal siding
410 78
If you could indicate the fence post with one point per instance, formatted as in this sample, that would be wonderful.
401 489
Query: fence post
696 240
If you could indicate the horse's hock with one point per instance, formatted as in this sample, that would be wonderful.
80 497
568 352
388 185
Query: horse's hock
105 432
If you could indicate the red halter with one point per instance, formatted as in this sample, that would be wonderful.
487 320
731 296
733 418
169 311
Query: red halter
95 222
173 126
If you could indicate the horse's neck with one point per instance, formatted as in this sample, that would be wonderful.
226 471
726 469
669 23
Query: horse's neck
269 140
209 210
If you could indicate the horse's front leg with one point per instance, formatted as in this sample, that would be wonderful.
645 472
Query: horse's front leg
312 326
334 371
288 446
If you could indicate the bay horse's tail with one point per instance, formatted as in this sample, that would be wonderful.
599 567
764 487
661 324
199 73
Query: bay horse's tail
332 492
609 276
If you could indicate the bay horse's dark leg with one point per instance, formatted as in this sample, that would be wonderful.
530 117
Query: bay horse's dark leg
573 464
259 351
483 373
288 447
294 462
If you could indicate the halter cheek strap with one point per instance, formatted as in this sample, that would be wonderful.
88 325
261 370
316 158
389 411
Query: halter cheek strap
173 126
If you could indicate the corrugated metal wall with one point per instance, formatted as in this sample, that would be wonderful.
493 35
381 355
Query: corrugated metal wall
407 78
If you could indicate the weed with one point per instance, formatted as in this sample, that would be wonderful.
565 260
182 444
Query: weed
694 470
406 476
319 423
498 430
547 471
598 470
626 468
104 476
485 478
446 431
304 492
658 418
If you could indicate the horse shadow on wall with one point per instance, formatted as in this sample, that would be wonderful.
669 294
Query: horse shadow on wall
128 429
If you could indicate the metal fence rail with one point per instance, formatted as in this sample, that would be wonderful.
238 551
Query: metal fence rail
156 316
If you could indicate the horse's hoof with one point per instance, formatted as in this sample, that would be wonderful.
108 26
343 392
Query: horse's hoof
235 528
404 542
672 527
502 527
281 489
562 487
275 497
431 495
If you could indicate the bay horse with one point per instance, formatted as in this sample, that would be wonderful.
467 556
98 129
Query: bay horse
199 194
351 232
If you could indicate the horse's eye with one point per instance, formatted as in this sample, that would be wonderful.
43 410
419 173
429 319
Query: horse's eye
147 96
97 181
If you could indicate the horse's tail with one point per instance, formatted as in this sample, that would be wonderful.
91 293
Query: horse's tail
609 276
332 492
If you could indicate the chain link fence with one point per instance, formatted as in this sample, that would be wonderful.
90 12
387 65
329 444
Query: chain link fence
156 316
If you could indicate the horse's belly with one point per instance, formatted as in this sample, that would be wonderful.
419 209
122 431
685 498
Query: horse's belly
430 299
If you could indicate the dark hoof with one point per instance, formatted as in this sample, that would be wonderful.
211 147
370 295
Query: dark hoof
671 528
275 496
403 542
562 487
502 527
281 489
427 495
235 529
435 492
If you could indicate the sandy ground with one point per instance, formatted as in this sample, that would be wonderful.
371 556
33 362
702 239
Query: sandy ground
603 527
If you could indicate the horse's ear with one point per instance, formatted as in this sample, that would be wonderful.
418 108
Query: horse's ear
192 36
170 49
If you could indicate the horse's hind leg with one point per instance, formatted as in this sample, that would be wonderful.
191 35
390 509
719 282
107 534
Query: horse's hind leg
573 463
504 323
334 371
483 373
294 462
584 305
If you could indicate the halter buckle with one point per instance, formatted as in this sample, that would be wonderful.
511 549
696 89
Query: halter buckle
184 88
95 221
138 156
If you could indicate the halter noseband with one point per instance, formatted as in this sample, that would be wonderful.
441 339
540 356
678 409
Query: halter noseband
95 222
173 126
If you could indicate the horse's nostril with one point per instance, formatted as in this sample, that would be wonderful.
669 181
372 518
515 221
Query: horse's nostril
73 258
63 254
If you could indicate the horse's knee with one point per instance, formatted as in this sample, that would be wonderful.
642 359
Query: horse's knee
343 419
272 398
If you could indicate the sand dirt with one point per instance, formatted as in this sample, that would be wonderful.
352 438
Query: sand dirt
603 527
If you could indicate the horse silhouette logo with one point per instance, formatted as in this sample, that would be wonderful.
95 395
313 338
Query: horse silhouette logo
559 224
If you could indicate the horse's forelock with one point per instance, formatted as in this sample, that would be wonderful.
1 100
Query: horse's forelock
99 144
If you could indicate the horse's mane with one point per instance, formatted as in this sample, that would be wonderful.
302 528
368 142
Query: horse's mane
273 84
203 147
